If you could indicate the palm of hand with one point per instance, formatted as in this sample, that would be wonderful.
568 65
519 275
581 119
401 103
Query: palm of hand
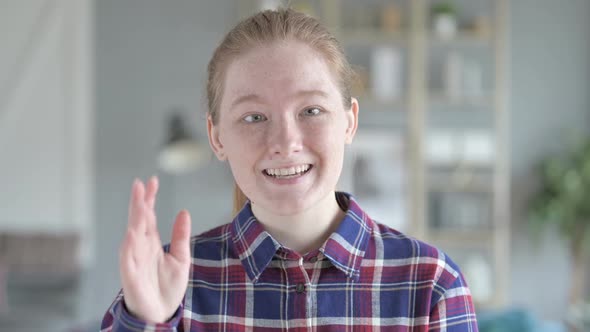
154 282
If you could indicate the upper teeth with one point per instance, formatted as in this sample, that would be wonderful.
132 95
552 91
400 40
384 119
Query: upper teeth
287 171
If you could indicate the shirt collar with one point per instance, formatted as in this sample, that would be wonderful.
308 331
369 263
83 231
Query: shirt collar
345 248
254 246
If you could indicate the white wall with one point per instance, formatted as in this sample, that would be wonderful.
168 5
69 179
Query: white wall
46 129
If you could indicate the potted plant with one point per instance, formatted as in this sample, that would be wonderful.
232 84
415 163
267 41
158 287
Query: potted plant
444 20
563 200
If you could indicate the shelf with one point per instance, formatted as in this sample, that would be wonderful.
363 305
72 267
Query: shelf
378 106
461 118
461 238
382 119
442 99
368 36
464 38
461 166
461 181
478 188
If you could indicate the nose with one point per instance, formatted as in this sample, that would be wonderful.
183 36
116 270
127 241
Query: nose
285 138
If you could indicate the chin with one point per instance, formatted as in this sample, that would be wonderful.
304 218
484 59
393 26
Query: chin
288 206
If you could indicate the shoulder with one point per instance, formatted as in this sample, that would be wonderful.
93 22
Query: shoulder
213 244
397 244
403 251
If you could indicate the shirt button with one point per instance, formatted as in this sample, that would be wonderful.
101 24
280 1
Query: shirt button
300 288
313 259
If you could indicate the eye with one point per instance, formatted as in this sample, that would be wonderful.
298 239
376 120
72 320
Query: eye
254 118
312 111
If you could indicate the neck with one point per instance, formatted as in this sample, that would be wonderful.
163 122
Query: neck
305 231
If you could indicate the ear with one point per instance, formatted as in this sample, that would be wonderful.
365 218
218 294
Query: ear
214 142
352 117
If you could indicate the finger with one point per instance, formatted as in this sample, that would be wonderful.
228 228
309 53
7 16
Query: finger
150 202
179 246
152 191
136 217
126 259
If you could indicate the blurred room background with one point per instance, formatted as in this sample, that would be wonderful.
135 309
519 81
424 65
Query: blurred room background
469 112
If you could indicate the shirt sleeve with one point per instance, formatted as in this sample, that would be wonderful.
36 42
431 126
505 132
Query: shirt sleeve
118 319
454 311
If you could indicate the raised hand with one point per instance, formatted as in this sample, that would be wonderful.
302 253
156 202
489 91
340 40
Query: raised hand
154 282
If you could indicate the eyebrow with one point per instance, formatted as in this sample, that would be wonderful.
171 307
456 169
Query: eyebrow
254 97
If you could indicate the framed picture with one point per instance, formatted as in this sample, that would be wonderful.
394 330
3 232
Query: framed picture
374 173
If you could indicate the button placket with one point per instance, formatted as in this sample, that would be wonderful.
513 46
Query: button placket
300 288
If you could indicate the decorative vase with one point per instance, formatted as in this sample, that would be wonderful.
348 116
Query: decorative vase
445 26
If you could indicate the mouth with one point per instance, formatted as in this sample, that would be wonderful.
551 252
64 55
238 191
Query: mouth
289 172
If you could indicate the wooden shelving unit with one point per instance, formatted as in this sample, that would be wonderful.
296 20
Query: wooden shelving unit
425 107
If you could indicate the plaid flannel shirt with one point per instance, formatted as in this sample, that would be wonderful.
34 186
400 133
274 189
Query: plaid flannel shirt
366 277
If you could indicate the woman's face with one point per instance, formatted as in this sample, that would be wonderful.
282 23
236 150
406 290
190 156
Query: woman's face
282 127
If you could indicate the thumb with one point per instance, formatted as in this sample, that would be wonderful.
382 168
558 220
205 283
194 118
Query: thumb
181 231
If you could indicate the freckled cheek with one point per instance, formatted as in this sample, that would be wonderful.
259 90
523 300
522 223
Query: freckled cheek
244 138
243 152
243 133
326 145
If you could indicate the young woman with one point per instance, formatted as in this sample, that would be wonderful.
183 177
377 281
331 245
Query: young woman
299 255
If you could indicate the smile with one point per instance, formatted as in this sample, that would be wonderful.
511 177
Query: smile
286 173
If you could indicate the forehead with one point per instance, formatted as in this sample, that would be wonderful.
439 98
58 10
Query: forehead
278 70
